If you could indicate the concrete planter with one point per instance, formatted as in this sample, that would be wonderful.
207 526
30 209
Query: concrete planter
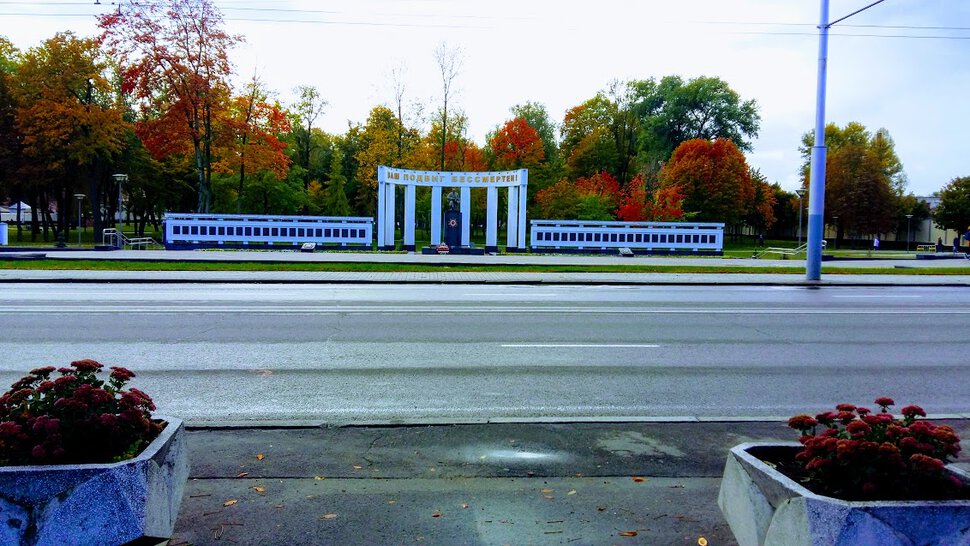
97 503
765 507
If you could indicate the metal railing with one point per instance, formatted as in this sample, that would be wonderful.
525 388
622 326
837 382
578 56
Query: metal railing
111 237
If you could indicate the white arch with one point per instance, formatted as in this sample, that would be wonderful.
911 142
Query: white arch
516 182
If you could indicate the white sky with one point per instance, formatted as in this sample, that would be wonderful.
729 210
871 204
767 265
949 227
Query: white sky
561 52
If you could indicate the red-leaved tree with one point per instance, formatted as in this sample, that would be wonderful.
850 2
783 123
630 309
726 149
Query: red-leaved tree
174 57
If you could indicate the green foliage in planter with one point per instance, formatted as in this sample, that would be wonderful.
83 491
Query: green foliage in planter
76 418
861 455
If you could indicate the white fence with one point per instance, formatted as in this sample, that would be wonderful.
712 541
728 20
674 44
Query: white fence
650 237
237 230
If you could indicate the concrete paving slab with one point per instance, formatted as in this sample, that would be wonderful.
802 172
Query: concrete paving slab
484 484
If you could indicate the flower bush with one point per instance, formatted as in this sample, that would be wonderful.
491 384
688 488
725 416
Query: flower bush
861 455
75 418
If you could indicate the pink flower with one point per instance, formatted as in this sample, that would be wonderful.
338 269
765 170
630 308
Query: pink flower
885 402
86 365
912 411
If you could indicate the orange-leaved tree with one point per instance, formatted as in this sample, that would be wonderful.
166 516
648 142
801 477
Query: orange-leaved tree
638 204
714 179
253 126
71 125
517 145
174 56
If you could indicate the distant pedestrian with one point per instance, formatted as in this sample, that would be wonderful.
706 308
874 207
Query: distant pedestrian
761 239
956 243
939 245
875 243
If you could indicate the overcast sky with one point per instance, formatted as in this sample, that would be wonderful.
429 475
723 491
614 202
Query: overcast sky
905 68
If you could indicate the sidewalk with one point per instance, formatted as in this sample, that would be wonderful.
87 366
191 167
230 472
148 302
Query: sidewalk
795 278
489 484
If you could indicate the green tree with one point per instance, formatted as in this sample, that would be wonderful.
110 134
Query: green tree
335 201
674 111
953 212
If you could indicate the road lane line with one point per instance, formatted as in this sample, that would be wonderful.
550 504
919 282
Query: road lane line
579 345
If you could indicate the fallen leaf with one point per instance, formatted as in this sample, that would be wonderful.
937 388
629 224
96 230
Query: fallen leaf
230 502
628 534
278 506
702 541
464 505
548 497
319 478
328 516
260 456
547 491
357 467
571 492
639 479
392 502
259 489
242 474
437 515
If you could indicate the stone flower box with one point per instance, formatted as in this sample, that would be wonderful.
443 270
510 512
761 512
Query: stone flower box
97 503
765 507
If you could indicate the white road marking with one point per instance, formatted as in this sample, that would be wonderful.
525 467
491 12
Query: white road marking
519 295
293 309
577 345
878 296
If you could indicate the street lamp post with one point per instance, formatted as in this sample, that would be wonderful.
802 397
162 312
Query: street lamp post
908 232
816 189
80 198
799 193
120 179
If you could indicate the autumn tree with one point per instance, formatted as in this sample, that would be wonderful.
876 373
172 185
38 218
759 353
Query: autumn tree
761 210
69 121
174 56
714 179
639 203
863 179
378 146
585 141
516 145
9 136
251 130
589 198
953 212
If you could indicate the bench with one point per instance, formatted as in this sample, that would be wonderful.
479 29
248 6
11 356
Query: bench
925 248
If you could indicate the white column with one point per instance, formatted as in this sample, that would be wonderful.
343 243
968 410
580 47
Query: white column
381 220
409 217
390 220
512 224
491 220
466 216
523 198
435 215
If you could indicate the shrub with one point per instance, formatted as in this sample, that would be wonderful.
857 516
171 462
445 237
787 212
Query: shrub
75 418
861 455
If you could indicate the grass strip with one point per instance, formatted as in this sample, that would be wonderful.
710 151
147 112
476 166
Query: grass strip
370 267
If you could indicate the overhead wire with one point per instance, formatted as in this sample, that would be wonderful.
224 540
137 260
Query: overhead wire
445 25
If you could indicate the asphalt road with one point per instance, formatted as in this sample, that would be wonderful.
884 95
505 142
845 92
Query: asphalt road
450 353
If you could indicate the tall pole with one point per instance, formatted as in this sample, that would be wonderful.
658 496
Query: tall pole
908 231
121 179
816 190
816 187
799 194
79 197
